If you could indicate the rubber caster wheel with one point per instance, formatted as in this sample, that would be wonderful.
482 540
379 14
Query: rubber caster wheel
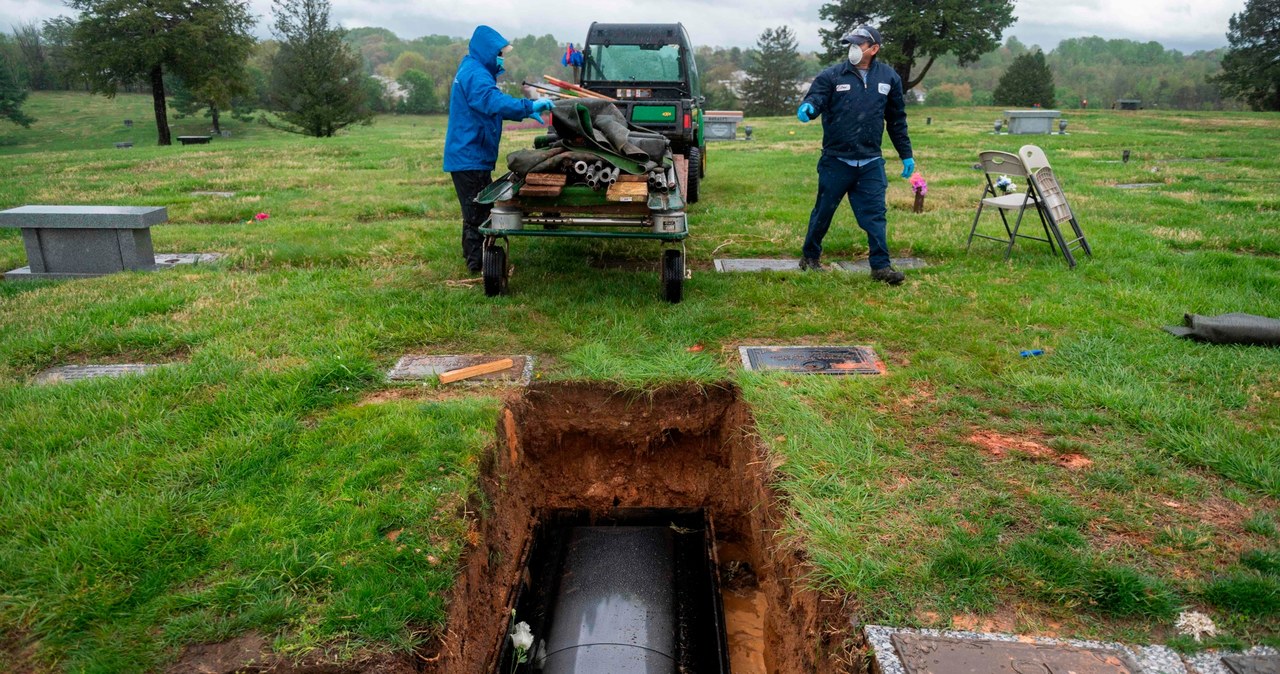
495 271
673 276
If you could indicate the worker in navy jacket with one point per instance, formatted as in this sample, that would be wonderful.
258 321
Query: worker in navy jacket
476 110
856 99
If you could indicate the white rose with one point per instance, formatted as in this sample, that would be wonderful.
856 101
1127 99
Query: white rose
522 637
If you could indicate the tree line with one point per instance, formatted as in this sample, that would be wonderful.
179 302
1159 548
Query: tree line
312 77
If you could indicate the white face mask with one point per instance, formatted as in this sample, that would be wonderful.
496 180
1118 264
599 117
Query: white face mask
855 54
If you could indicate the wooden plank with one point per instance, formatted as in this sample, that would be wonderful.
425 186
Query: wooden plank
682 174
541 190
544 179
628 178
625 192
476 370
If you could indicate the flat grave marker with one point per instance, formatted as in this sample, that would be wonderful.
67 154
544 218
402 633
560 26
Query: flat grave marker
421 367
68 373
760 264
834 360
925 651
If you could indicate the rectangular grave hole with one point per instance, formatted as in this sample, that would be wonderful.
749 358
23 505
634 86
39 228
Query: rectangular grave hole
633 585
680 470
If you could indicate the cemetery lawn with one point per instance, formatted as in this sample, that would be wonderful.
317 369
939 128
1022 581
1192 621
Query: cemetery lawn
272 482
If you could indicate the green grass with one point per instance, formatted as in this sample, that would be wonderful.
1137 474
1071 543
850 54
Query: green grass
249 488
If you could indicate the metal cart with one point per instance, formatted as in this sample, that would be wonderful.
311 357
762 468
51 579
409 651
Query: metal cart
522 208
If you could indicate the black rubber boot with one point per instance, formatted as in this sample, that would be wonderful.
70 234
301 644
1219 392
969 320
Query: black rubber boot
888 275
811 264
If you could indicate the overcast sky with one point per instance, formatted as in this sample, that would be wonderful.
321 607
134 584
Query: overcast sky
1177 24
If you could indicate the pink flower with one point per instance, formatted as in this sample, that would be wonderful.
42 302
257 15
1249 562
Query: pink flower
918 184
264 216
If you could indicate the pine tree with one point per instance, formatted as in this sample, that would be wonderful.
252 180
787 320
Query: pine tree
317 82
770 88
12 95
115 43
1251 68
1027 82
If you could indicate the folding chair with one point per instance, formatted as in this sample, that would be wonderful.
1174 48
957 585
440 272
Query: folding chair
1053 202
1004 163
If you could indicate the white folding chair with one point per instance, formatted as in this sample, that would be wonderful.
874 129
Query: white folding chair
996 163
1052 199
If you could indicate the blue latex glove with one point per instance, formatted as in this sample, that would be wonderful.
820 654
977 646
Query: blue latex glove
806 113
537 116
908 167
543 105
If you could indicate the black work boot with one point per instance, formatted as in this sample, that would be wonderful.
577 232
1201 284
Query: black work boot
888 275
811 264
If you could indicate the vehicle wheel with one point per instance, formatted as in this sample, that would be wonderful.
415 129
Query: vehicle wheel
702 172
494 269
672 275
694 172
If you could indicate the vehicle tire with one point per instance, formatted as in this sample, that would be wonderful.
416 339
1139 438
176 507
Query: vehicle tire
702 172
494 269
673 275
695 175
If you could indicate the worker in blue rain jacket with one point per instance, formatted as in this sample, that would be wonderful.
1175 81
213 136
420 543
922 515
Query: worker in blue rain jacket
476 110
856 99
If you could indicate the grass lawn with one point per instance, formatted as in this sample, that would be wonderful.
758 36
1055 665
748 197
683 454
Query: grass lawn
250 488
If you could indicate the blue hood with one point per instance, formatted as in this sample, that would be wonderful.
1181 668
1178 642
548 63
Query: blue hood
484 47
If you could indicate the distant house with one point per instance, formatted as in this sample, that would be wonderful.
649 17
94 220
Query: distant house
916 95
391 89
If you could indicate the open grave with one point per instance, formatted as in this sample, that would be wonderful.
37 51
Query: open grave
661 498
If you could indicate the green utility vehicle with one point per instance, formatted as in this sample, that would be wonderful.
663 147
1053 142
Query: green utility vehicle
650 69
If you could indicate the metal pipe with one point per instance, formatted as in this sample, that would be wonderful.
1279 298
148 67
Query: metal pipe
580 167
588 222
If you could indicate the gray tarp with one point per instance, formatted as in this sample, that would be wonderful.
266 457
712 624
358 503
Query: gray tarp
1229 329
606 129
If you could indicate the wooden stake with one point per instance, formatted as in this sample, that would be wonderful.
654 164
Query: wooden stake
475 370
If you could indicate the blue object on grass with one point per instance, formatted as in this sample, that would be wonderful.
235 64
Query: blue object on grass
1032 352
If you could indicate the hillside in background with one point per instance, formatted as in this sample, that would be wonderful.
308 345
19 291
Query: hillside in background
1089 68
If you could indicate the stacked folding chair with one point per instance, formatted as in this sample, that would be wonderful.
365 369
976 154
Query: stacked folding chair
1053 202
1043 194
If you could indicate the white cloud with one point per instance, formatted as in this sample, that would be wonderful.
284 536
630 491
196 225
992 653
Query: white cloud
1180 24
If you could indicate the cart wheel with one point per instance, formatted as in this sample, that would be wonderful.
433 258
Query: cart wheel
672 275
694 174
495 271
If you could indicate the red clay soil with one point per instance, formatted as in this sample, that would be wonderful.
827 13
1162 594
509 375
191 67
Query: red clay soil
998 445
592 447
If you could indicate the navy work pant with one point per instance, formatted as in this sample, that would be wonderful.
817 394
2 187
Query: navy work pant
865 187
469 184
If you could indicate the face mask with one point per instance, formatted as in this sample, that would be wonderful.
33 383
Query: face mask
499 61
855 54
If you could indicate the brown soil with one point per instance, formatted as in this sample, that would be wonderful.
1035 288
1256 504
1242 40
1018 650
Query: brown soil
999 446
251 654
587 446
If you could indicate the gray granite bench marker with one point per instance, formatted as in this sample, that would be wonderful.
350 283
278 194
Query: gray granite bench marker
81 372
194 140
80 241
422 367
1031 121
